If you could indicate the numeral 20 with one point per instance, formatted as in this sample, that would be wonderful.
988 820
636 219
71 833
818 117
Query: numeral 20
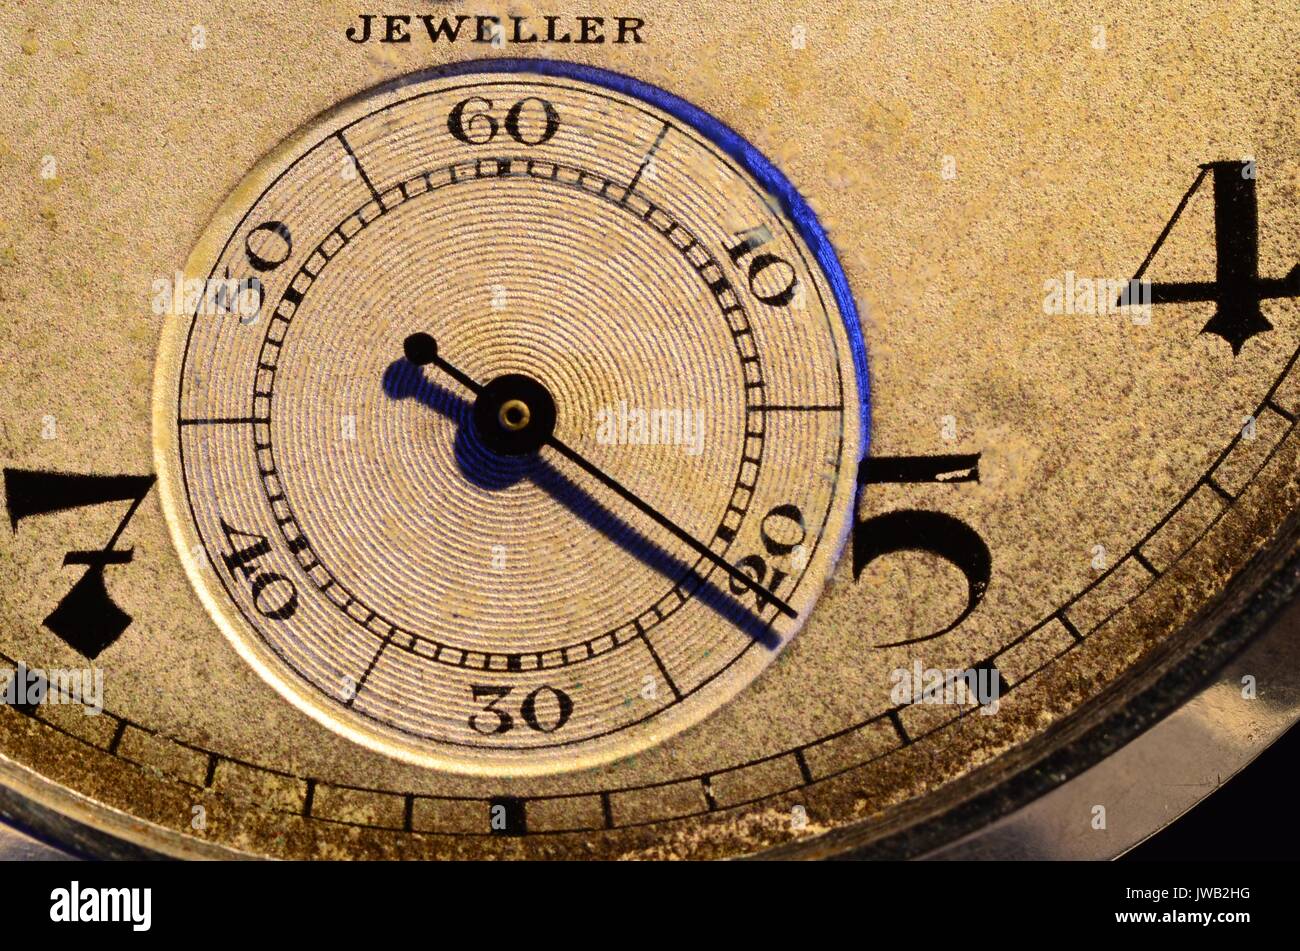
782 531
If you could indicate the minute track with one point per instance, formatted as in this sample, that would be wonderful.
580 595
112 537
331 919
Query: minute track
689 583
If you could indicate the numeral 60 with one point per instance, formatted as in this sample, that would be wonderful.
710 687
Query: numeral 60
480 126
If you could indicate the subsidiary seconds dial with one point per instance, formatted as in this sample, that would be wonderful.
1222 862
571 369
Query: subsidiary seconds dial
526 428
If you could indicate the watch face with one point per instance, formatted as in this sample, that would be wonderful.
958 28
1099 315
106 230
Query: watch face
424 572
491 433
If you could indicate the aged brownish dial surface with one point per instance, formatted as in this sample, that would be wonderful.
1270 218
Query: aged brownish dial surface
674 431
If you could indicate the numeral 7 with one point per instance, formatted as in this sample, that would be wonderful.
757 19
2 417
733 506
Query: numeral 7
87 619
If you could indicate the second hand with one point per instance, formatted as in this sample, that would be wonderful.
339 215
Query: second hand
422 349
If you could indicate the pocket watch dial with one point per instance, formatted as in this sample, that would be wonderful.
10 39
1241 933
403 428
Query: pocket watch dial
448 583
453 435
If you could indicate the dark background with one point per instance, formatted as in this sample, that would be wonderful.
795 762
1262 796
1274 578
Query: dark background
1253 816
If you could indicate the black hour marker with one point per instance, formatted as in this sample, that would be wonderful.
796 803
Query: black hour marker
1237 288
86 619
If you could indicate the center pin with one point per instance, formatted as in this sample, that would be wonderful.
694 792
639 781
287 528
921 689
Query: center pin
514 415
